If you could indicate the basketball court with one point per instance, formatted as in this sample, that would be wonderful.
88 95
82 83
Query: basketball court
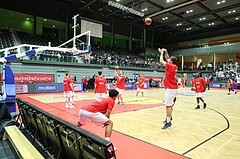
205 133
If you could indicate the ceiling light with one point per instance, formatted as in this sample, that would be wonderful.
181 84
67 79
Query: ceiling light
53 26
220 2
165 18
211 24
45 20
233 11
189 11
179 24
237 18
189 29
27 18
168 1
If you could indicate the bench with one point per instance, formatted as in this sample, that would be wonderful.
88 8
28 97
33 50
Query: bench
22 145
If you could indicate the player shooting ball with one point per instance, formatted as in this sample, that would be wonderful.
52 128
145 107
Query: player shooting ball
120 84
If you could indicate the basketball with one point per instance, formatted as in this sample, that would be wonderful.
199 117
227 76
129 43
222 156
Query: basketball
116 68
148 21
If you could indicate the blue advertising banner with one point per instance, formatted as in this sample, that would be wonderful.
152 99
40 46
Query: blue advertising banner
128 86
47 87
215 85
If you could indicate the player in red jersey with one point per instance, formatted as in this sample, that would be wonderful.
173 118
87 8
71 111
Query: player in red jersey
120 85
208 82
99 112
73 93
230 86
68 90
100 85
140 86
200 87
85 83
170 83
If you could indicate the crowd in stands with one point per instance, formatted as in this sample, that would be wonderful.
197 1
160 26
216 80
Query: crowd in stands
120 57
100 55
225 71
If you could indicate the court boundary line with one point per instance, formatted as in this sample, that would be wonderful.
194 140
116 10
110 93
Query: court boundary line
150 143
228 126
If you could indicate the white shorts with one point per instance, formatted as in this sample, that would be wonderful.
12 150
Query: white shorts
199 94
68 94
97 118
120 90
170 95
140 90
100 95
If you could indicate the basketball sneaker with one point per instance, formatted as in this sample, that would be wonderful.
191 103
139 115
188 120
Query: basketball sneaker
67 106
204 105
71 106
198 107
167 125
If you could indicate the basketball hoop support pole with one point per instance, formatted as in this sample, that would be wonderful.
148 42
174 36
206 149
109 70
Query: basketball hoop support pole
74 30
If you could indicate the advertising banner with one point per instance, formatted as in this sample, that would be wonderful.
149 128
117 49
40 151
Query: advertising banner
21 88
47 88
110 86
34 78
78 87
215 85
128 86
154 78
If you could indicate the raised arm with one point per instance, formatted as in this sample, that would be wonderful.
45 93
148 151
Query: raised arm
161 57
166 54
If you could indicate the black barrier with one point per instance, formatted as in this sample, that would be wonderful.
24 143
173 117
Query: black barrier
60 138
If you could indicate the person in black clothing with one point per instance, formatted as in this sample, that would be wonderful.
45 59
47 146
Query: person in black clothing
4 113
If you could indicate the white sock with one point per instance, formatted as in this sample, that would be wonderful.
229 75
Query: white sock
168 119
107 138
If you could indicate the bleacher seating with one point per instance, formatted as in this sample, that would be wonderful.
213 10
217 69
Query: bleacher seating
27 38
6 39
60 138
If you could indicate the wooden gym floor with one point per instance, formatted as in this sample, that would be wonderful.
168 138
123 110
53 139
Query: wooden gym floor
211 133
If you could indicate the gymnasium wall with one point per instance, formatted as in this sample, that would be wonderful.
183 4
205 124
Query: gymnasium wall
221 57
206 40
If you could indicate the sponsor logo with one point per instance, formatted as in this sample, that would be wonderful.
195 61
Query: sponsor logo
47 88
216 85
